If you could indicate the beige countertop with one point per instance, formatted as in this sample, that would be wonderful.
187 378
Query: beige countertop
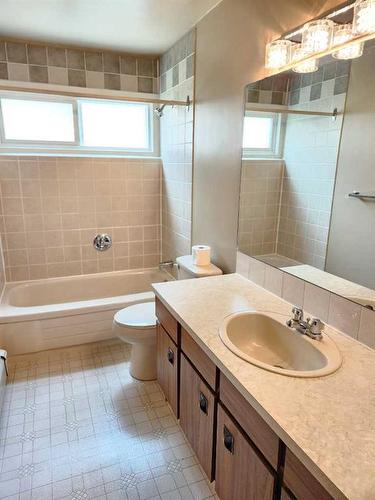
328 422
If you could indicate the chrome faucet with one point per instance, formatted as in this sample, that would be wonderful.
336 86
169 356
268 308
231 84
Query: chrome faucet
312 327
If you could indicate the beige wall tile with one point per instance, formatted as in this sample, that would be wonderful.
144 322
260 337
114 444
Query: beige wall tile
366 332
55 206
293 290
273 280
316 301
344 315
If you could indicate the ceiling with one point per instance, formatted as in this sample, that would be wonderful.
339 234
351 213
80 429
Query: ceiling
136 26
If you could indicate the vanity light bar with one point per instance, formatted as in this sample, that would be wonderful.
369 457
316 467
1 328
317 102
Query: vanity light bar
319 55
319 39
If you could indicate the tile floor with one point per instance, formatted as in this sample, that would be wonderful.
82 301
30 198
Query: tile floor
75 425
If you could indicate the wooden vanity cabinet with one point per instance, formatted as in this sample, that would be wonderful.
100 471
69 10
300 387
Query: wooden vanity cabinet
300 481
197 414
166 319
240 472
167 367
259 432
233 443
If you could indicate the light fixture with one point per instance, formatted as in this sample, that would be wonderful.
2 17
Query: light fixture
278 53
343 33
309 66
317 35
364 17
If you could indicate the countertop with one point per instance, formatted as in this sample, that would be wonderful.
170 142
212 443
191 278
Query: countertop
328 422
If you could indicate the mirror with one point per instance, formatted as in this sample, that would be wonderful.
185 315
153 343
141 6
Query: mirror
307 202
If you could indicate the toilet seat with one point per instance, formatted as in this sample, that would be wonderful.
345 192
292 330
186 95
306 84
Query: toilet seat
139 316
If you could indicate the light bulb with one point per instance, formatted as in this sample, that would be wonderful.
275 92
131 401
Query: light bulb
278 53
364 17
317 35
343 33
309 66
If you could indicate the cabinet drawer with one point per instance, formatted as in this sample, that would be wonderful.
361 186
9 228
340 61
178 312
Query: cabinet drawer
167 367
169 323
301 482
252 423
240 473
197 410
198 358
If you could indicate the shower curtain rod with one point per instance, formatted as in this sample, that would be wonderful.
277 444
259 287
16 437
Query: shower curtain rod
63 90
270 109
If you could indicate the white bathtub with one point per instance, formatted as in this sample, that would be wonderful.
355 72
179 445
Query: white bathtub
59 312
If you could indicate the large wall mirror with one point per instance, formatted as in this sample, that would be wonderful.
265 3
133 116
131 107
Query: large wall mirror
308 175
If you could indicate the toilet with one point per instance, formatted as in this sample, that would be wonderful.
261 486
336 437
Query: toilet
136 324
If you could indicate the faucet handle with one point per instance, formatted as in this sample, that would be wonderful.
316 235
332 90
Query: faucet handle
297 313
316 326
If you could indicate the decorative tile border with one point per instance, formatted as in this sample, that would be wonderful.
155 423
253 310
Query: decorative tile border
287 89
29 62
177 64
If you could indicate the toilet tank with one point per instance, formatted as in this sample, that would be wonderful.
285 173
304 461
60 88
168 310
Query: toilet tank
187 269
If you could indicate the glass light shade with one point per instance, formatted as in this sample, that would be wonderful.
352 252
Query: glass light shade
343 33
309 66
364 17
317 35
278 53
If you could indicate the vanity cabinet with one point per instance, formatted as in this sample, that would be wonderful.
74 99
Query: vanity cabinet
167 367
233 443
241 473
301 482
197 412
263 437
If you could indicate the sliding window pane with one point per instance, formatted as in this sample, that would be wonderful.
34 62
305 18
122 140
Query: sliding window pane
257 132
38 121
115 124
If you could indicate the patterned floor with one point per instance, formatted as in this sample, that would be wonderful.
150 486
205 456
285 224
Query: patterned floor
75 425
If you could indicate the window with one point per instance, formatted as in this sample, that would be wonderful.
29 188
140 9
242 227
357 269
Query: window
114 124
38 121
262 135
35 122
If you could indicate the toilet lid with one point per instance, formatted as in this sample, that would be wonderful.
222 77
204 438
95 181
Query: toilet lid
137 316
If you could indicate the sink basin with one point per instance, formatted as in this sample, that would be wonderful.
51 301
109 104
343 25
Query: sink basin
265 341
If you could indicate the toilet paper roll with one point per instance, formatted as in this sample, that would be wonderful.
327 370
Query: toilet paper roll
201 255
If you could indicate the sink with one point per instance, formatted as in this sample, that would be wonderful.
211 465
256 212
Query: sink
265 341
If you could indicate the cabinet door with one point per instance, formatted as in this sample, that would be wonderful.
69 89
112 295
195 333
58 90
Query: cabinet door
301 482
167 367
240 473
197 405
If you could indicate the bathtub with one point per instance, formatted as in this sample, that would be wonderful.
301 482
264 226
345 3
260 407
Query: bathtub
60 312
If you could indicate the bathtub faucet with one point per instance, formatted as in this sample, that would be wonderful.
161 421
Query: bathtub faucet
167 263
102 242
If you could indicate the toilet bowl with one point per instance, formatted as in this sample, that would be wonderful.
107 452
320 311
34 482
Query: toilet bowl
136 325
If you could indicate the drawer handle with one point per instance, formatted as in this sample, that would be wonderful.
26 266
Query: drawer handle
203 403
170 356
228 440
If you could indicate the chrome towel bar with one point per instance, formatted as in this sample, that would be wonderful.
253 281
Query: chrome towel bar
362 196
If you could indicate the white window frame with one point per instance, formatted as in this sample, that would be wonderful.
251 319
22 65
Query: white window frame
276 149
75 148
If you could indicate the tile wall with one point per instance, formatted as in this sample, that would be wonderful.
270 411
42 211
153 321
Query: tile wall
177 82
348 317
310 154
29 62
51 209
271 90
261 184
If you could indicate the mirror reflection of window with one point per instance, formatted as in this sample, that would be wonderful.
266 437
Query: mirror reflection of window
262 135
